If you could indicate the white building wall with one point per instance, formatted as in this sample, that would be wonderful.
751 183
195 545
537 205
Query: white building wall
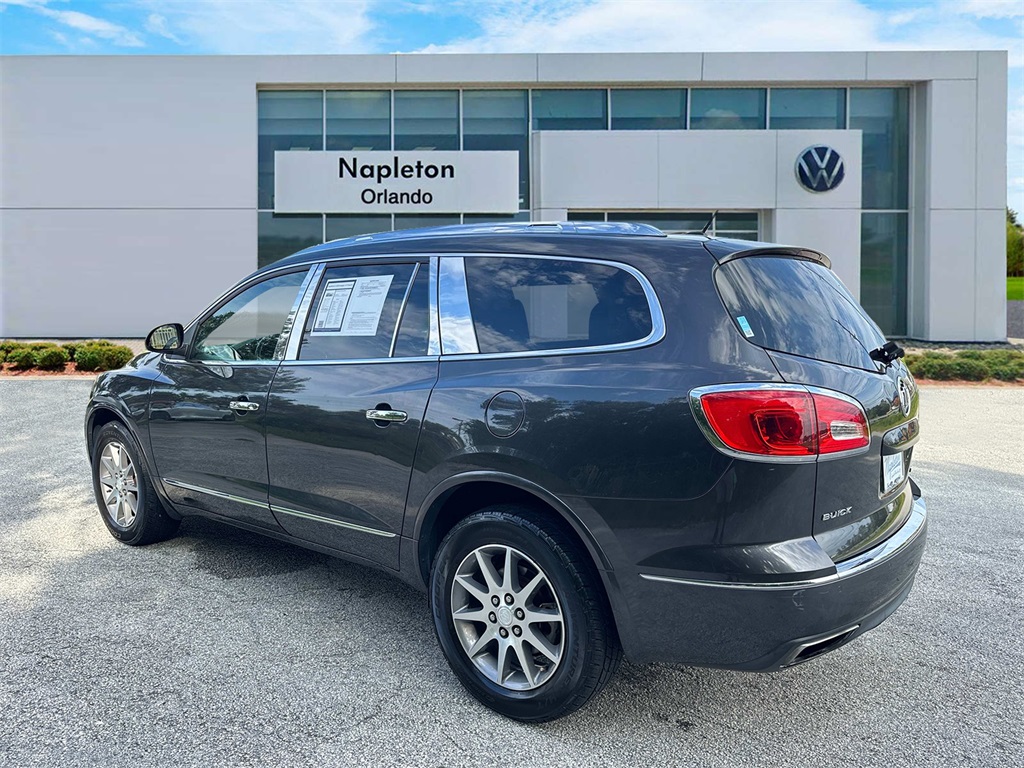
128 184
673 170
128 191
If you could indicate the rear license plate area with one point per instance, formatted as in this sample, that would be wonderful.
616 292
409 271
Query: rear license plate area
893 471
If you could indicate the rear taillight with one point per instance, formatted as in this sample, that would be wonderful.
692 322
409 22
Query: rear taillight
777 421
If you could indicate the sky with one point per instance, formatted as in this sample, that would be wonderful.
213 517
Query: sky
527 26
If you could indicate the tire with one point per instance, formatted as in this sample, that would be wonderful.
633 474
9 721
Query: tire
119 475
548 668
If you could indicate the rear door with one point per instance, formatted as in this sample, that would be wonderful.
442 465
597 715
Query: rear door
345 409
817 335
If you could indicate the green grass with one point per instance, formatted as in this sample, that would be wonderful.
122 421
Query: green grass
1015 289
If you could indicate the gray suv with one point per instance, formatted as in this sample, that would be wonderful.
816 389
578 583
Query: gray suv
581 440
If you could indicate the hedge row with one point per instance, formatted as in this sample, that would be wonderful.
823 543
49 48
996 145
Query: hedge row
968 365
94 355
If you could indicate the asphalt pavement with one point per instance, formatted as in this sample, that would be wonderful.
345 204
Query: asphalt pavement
224 648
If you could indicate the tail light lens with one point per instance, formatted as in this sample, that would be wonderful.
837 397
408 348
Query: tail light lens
780 422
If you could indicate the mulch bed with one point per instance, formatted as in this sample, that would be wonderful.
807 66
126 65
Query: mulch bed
8 370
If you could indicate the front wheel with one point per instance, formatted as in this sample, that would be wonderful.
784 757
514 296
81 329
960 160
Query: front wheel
124 492
521 616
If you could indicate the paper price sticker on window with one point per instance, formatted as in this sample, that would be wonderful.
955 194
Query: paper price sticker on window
352 307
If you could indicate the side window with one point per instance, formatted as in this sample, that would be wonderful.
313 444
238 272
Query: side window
249 326
355 311
522 304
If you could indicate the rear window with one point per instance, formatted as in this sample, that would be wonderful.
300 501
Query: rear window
800 307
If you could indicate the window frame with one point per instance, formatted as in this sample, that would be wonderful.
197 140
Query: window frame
454 307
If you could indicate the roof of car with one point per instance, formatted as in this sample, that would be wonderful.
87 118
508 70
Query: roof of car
499 237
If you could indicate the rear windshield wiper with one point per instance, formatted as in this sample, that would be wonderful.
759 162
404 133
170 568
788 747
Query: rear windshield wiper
887 353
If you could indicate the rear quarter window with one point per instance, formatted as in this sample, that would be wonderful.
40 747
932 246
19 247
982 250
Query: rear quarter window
799 307
524 304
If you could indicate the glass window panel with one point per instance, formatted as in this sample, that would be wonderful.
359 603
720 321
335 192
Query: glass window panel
883 114
358 120
883 270
286 120
418 220
739 226
727 108
414 332
494 218
808 108
539 304
498 120
667 221
648 109
353 315
249 326
426 120
570 110
585 216
280 235
797 306
345 225
731 221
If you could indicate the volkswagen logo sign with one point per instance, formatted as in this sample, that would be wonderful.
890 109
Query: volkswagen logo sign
903 388
820 169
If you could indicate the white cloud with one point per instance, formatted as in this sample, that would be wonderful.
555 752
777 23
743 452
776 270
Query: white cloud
991 9
157 25
663 25
725 25
94 26
265 26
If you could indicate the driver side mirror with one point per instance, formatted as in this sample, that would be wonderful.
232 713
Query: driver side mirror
167 339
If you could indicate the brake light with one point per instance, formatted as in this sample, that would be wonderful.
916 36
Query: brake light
781 422
842 425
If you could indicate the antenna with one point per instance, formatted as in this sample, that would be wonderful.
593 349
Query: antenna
707 226
710 222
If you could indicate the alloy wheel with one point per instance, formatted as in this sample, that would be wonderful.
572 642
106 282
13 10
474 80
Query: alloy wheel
119 484
507 617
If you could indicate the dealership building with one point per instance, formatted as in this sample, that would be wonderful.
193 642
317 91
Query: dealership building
135 189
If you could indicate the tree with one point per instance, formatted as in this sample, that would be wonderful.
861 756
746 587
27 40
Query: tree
1014 245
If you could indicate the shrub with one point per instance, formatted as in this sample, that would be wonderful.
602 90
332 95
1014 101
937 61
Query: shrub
939 367
23 359
8 345
1007 372
969 369
3 356
71 347
972 354
101 357
115 356
51 359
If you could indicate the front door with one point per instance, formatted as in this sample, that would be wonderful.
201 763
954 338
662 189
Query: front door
208 410
344 418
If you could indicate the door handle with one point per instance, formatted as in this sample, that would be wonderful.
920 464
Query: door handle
243 406
375 414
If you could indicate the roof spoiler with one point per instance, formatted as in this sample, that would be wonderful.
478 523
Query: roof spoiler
780 250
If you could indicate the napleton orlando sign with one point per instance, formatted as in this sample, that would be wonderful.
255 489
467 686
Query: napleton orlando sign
396 182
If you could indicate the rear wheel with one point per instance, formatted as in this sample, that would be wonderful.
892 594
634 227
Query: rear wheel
521 616
124 493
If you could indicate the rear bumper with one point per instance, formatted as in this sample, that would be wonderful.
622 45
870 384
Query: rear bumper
764 627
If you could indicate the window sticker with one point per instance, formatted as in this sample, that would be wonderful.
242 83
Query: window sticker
745 326
352 306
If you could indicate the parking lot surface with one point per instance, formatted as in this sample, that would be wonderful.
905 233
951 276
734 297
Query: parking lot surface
224 648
